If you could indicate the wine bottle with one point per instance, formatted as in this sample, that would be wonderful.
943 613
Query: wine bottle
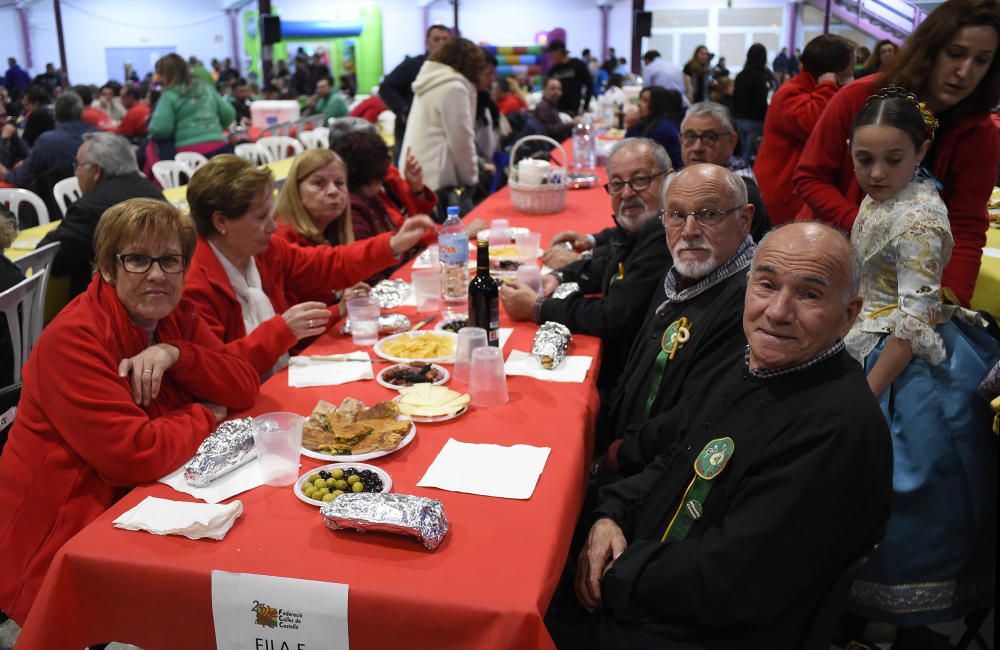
484 296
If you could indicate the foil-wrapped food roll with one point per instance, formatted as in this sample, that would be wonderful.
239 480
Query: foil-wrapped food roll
565 290
228 447
387 324
551 344
400 514
390 293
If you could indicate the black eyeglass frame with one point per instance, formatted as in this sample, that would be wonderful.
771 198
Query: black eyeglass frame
122 259
645 181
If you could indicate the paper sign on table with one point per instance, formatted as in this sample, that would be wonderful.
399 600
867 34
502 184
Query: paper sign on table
304 372
488 470
572 369
192 520
272 613
243 478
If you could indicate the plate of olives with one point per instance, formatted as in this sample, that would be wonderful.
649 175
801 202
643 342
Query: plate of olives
403 375
326 483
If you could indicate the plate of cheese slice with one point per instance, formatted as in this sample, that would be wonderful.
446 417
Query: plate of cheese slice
429 403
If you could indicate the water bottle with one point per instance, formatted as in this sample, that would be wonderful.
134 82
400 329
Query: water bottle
453 253
584 147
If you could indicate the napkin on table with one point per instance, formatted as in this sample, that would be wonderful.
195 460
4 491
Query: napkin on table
192 520
488 470
572 369
243 478
304 372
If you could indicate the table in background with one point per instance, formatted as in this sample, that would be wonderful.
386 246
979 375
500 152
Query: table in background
58 290
487 586
987 294
280 169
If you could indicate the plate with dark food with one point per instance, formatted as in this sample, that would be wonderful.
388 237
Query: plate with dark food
353 432
452 324
403 375
326 483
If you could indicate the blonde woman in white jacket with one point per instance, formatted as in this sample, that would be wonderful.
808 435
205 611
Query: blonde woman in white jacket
440 129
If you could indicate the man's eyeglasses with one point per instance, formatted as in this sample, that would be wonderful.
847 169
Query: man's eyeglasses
708 138
77 165
139 263
637 183
704 217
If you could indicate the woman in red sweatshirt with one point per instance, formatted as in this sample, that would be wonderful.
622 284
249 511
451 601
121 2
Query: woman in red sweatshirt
950 62
244 280
827 64
120 389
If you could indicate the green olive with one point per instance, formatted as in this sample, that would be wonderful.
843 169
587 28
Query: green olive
337 473
337 493
331 482
342 485
319 483
308 489
313 478
327 498
357 487
354 478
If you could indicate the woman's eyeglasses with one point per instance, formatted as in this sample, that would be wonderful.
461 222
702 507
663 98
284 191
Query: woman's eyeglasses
139 263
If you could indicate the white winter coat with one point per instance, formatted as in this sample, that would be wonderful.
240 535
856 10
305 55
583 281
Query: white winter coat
440 129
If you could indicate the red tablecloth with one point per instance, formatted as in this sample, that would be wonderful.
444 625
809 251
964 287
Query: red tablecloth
487 586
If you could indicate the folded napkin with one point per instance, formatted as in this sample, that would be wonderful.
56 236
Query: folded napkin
304 371
572 369
192 520
243 478
489 470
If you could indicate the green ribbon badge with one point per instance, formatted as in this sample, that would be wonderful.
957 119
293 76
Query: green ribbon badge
709 464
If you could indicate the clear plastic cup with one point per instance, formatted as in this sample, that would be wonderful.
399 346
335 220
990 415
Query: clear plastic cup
278 439
364 313
469 338
427 289
527 246
530 275
487 380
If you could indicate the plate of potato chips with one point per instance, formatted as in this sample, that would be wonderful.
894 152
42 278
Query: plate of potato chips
431 346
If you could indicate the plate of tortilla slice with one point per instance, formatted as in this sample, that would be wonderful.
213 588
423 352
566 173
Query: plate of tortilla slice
353 432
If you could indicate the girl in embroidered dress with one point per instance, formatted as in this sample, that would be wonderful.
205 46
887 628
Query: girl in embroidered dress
924 358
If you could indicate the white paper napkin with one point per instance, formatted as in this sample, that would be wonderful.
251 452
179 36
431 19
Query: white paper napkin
992 252
303 371
505 333
243 478
488 470
572 369
192 520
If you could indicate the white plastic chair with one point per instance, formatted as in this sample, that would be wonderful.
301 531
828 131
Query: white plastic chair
281 146
168 173
282 128
192 159
39 262
253 152
318 138
19 321
66 192
13 198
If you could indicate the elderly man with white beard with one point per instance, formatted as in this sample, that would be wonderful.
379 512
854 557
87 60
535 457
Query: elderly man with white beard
695 332
616 284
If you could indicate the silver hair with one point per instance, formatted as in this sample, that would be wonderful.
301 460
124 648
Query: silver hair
710 109
659 154
854 286
735 182
111 152
68 107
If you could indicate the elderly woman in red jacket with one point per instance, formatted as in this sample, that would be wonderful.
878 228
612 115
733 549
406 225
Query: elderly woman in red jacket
827 64
951 63
120 389
381 199
243 279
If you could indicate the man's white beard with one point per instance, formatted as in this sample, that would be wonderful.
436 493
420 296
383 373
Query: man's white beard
690 269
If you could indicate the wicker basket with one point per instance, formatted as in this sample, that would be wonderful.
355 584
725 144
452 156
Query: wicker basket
538 199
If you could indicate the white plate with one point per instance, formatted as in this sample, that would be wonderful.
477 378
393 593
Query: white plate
318 455
439 418
445 376
448 359
382 474
513 231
